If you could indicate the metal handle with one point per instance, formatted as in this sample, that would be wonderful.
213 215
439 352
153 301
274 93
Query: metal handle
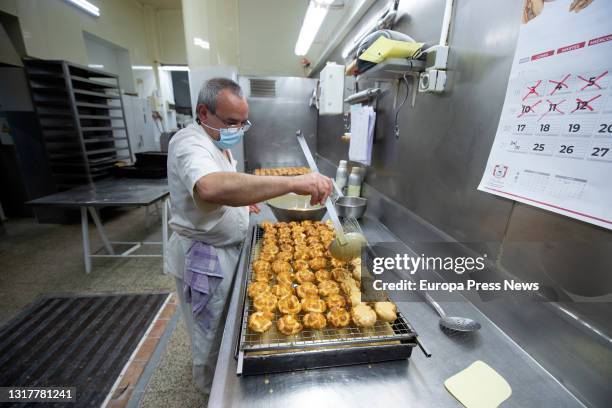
435 305
422 347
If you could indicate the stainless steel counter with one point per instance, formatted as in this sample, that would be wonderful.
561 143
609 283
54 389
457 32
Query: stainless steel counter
417 382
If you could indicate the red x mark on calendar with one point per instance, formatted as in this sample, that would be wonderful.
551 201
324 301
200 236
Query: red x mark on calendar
533 90
553 107
582 105
592 81
529 108
559 84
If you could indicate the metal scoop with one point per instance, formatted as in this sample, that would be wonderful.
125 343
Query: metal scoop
450 324
346 246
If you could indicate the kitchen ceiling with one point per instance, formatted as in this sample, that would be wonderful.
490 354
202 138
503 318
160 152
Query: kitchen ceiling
162 4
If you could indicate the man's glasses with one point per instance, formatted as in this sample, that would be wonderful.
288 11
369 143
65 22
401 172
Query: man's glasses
244 126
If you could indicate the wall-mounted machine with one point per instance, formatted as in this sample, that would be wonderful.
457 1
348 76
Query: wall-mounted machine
331 84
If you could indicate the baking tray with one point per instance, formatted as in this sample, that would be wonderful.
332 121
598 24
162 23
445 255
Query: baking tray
272 351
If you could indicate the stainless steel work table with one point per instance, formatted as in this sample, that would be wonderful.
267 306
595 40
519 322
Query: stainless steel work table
417 382
90 198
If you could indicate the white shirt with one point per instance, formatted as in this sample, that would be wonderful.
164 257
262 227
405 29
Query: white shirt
191 156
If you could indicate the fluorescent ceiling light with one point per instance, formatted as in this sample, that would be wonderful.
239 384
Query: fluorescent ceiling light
201 43
315 14
142 67
86 6
98 66
174 68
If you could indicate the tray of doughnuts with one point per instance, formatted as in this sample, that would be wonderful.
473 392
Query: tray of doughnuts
299 299
281 171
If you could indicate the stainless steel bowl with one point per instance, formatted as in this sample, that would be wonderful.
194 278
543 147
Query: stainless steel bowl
294 207
351 207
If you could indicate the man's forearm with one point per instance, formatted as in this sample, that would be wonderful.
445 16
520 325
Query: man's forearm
239 189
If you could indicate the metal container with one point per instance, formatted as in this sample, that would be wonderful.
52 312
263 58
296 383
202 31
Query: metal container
351 207
294 207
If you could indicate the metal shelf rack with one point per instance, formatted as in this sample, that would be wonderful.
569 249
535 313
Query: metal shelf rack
81 116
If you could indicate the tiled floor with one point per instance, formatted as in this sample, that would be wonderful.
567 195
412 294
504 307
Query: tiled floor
39 259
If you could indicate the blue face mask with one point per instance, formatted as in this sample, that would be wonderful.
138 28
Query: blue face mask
228 137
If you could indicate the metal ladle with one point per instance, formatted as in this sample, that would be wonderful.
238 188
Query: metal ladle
452 324
346 246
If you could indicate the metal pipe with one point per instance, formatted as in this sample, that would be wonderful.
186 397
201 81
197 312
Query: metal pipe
448 13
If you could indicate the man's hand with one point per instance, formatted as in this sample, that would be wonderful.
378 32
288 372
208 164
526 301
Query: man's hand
253 208
316 185
578 5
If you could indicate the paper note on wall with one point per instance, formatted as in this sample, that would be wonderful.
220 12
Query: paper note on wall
553 146
362 134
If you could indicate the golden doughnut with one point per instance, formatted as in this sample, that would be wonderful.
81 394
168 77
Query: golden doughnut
267 256
285 278
338 317
304 275
284 256
322 275
262 266
318 245
312 232
266 302
289 305
284 234
313 304
281 266
337 263
281 290
335 301
257 288
260 321
307 289
348 285
341 274
386 311
318 263
286 248
328 288
267 224
268 242
363 315
301 255
285 241
301 248
313 239
314 320
273 249
300 264
289 325
262 276
354 297
316 253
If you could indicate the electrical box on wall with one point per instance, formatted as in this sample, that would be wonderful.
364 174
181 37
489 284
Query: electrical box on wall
331 83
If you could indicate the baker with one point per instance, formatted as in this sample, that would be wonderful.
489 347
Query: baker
209 206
